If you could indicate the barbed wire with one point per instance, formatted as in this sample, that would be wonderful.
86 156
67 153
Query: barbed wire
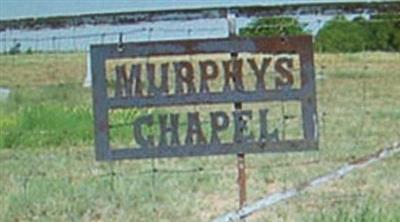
203 168
105 34
295 23
172 30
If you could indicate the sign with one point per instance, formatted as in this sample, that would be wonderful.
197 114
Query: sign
182 82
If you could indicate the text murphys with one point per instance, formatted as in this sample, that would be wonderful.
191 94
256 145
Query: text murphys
229 73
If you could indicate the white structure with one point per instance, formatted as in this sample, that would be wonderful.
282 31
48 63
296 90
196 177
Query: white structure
88 79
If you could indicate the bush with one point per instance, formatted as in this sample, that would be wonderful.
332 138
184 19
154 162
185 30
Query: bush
272 27
382 32
341 35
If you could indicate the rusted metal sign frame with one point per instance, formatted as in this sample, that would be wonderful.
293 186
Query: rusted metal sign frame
306 95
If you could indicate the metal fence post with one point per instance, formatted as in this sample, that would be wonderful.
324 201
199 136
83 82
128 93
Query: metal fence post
231 18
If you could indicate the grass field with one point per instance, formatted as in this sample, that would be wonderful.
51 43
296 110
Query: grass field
48 171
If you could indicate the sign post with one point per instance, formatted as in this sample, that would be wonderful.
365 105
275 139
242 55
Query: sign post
133 85
241 166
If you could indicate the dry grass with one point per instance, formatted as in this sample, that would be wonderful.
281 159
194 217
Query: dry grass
359 107
42 69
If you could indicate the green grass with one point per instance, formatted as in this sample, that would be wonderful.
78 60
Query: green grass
47 125
48 171
36 117
367 212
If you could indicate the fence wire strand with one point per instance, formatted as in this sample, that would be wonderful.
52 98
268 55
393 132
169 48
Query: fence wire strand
202 167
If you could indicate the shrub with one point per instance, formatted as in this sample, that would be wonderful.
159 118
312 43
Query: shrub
342 35
382 32
272 27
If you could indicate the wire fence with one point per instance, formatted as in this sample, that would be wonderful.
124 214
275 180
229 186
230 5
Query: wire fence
79 39
347 123
66 40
